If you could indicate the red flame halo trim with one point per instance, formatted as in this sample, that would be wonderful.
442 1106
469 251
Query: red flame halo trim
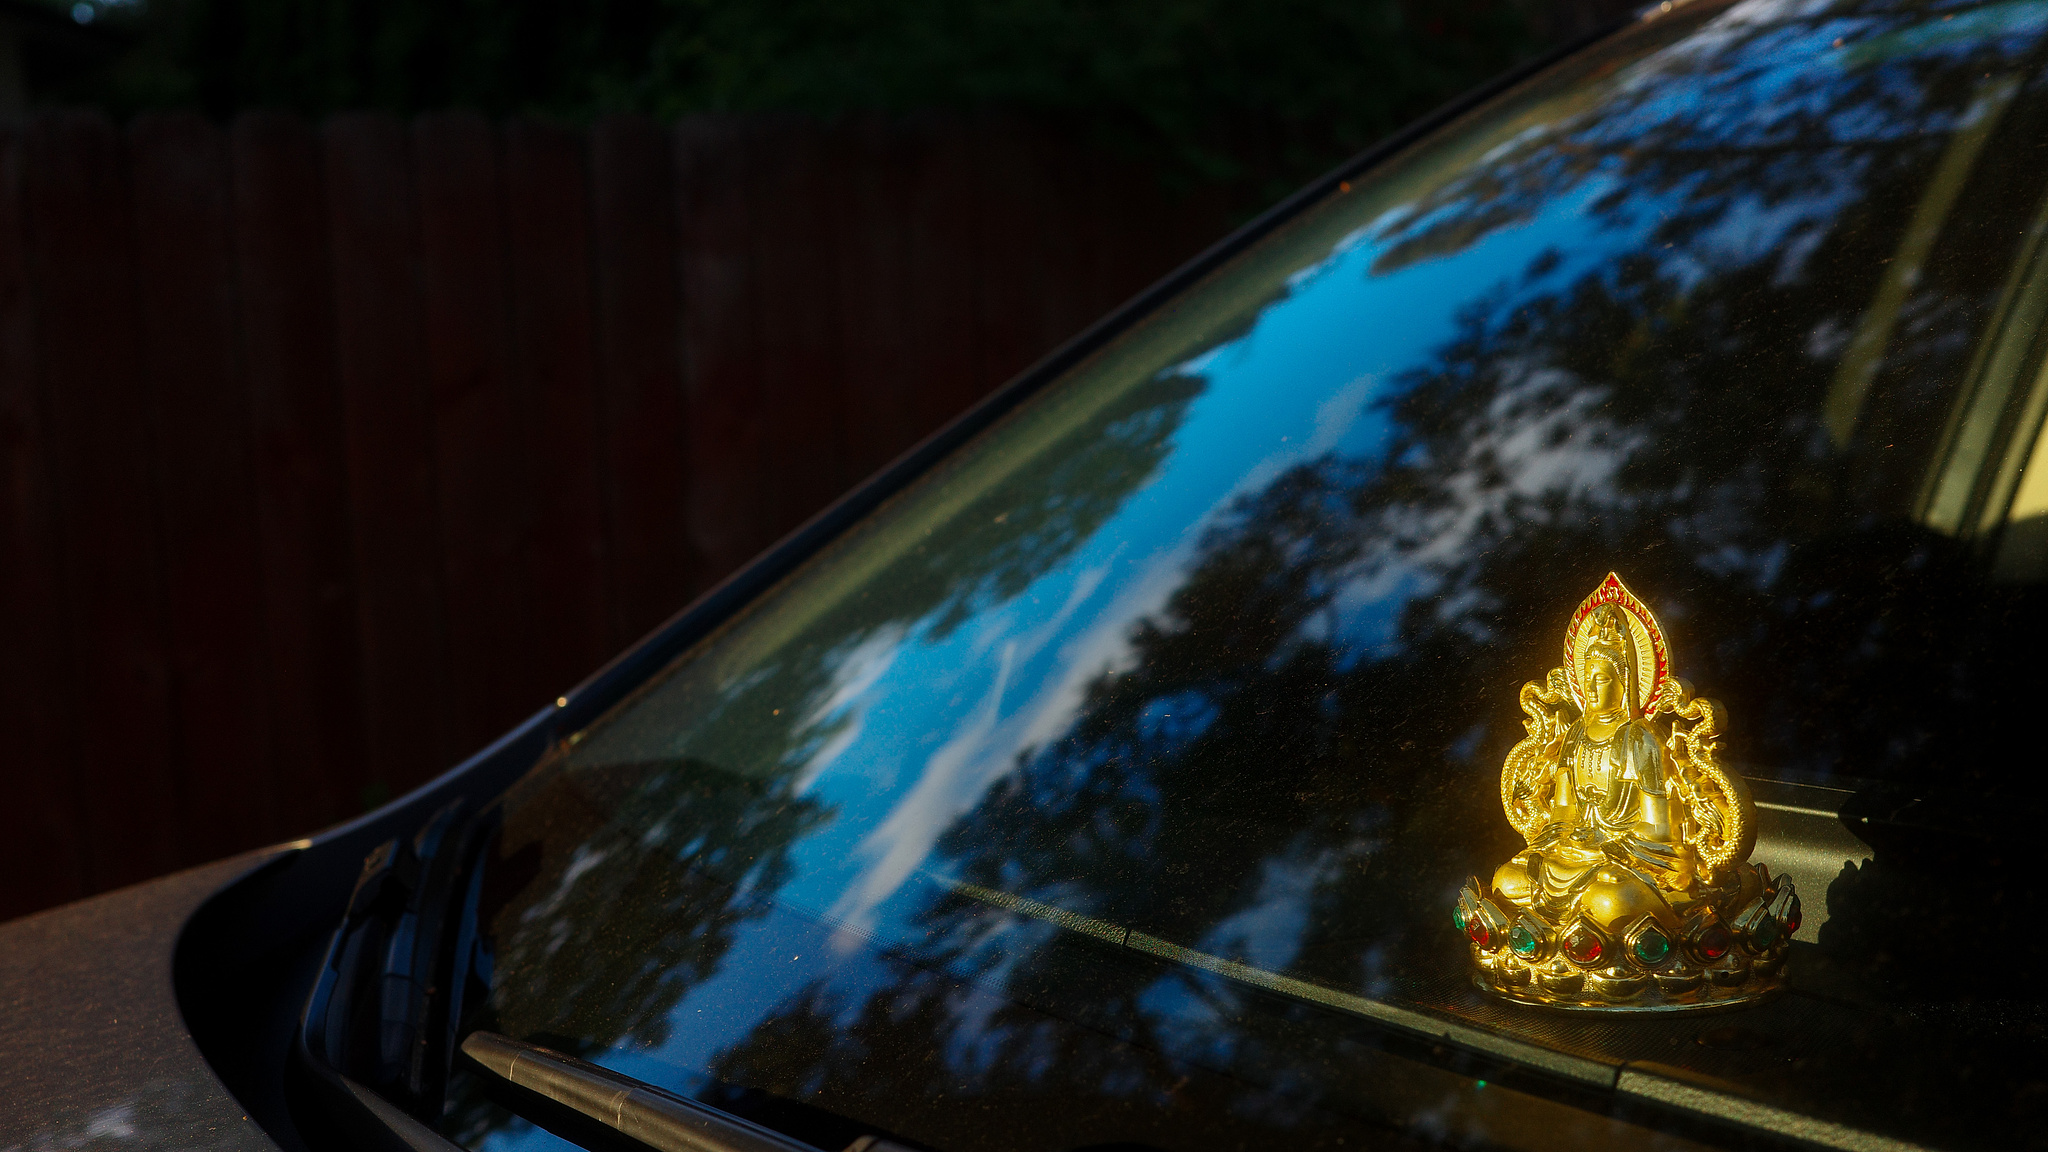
1657 685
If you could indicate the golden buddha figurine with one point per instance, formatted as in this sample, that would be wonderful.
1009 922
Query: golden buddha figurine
1635 892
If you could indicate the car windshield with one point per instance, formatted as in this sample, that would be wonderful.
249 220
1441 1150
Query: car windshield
1115 780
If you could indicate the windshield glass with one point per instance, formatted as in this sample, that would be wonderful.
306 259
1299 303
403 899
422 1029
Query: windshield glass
1066 799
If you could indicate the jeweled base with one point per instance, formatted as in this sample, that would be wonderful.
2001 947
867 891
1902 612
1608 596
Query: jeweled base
1679 987
1729 949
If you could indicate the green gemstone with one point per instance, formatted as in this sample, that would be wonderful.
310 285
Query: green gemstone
1652 946
1522 941
1458 916
1765 933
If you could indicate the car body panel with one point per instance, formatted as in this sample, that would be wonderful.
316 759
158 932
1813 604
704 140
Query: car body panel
94 1051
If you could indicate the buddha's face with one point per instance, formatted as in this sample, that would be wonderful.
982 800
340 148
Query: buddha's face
1602 683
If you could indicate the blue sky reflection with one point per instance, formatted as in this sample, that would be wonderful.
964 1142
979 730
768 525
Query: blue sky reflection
940 719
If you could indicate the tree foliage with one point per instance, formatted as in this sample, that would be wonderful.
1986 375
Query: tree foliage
1216 89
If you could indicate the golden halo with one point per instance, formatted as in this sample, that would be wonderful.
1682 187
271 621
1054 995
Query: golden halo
1646 638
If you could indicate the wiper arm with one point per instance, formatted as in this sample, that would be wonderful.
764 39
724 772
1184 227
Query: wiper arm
633 1108
384 1007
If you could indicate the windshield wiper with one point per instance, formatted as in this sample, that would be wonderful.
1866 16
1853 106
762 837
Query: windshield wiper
632 1108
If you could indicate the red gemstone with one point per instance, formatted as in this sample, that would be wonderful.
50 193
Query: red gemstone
1582 946
1714 943
1792 917
1475 929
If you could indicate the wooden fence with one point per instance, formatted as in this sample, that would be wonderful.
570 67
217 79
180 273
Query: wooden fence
332 450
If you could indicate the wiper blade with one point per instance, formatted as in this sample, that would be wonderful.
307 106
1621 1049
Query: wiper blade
633 1108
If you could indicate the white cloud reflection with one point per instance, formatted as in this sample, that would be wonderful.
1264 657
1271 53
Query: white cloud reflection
985 746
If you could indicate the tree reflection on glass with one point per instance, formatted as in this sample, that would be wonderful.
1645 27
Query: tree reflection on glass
1297 766
670 857
1765 265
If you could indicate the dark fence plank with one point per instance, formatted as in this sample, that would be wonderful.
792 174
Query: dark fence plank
1065 308
721 339
90 359
547 207
640 375
314 676
329 453
871 178
801 462
1100 234
1010 226
387 419
212 555
41 845
481 480
942 354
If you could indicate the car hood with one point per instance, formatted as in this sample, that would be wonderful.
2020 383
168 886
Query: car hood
94 1051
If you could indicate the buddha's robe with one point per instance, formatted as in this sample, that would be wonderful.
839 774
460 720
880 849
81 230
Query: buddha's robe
1623 848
